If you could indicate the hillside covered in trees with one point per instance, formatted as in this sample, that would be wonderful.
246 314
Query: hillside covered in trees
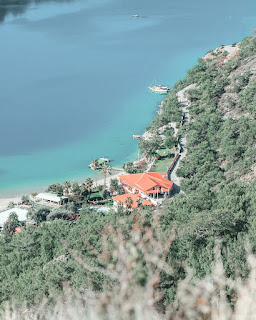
218 205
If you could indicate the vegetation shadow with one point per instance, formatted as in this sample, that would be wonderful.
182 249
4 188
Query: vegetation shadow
175 190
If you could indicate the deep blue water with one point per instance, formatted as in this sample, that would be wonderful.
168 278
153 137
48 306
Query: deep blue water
74 77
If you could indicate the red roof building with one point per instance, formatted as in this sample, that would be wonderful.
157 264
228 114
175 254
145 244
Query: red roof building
17 230
134 203
150 185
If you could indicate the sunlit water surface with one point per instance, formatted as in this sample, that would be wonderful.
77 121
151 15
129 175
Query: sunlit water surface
74 77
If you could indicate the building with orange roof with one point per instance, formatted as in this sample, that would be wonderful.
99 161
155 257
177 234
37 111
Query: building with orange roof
17 230
135 198
150 185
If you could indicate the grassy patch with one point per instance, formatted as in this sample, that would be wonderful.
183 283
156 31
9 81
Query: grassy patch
162 164
163 152
96 196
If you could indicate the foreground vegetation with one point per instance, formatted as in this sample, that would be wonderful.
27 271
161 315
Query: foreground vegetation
218 205
131 266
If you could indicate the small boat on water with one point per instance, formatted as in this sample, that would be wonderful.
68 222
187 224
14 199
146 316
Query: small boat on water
135 15
136 136
161 89
105 159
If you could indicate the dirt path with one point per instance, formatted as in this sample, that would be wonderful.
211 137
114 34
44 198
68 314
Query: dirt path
183 103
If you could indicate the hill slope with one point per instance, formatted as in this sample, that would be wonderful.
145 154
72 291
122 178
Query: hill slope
219 204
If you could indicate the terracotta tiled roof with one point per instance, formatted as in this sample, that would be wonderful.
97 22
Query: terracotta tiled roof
146 181
17 230
122 198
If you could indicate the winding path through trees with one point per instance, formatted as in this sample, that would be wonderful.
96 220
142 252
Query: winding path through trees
183 103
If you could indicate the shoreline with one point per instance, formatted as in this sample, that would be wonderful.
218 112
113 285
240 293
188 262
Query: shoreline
19 191
108 179
99 180
4 202
16 195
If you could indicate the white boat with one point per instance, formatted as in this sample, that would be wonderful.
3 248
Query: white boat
135 15
104 159
162 89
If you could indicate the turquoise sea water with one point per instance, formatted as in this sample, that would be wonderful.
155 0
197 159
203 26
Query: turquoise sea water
74 77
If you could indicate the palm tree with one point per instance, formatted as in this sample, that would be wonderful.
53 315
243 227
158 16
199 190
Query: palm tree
89 185
105 169
95 167
113 185
129 202
75 189
83 191
66 187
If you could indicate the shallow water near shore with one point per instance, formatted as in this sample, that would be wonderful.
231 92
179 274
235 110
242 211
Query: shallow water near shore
74 77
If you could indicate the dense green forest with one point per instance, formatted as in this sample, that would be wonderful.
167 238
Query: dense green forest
218 203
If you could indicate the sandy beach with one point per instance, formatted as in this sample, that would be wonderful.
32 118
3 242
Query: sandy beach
5 201
108 179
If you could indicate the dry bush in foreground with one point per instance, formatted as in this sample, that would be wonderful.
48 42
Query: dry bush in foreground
132 265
